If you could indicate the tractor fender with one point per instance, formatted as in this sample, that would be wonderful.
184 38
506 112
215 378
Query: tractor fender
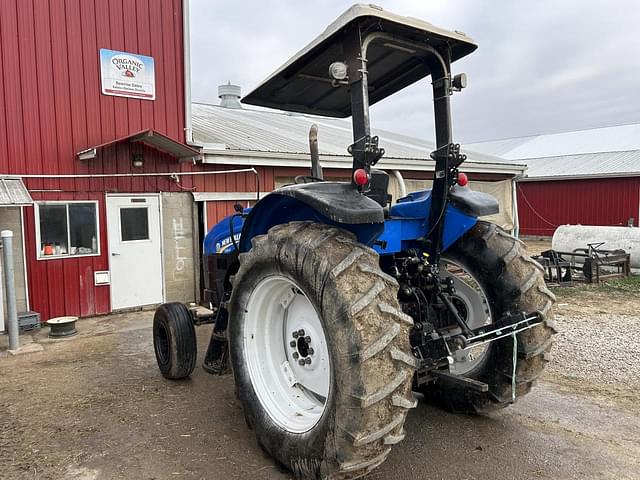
473 203
332 203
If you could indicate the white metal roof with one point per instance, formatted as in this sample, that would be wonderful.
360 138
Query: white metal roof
261 137
587 165
597 152
607 139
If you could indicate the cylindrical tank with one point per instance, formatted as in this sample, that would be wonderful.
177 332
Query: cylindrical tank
569 237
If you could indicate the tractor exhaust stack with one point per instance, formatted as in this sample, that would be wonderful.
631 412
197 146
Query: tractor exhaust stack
316 168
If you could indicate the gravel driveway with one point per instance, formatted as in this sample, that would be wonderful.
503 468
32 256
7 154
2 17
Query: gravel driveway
607 353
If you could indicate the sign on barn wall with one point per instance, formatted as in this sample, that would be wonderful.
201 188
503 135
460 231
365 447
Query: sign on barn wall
127 75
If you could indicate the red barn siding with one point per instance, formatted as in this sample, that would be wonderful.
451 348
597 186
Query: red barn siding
543 206
51 107
66 286
217 210
240 182
50 78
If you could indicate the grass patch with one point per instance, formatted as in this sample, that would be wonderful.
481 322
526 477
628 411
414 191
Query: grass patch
620 286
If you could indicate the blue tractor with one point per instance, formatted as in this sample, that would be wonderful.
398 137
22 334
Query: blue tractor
333 306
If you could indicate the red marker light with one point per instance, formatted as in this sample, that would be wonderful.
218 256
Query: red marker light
360 177
463 180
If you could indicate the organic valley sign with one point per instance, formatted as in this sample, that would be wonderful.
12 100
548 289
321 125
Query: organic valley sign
127 75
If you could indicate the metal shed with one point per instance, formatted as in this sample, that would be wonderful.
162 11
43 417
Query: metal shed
588 177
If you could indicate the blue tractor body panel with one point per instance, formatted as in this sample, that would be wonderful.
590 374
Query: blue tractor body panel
218 239
407 223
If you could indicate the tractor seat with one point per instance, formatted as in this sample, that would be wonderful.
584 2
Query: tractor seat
379 187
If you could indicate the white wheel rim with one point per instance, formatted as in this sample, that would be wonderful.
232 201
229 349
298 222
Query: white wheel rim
293 395
477 313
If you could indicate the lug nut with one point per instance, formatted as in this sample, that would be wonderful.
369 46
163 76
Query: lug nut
307 339
301 362
292 343
295 334
301 333
295 355
310 351
307 361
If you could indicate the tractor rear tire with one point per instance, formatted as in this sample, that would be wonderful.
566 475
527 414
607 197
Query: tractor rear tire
174 340
365 337
513 282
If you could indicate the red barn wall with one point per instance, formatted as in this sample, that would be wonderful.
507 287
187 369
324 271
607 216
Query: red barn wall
65 286
51 107
50 78
239 182
545 205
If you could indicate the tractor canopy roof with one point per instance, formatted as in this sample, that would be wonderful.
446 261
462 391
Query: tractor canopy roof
303 83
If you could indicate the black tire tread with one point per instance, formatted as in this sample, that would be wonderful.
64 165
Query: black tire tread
519 285
375 375
182 340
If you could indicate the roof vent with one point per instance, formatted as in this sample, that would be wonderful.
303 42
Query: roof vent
229 96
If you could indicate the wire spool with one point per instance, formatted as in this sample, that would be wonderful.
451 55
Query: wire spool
62 327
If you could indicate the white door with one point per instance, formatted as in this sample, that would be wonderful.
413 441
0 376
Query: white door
135 250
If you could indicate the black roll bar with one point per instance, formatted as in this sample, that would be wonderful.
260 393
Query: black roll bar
439 63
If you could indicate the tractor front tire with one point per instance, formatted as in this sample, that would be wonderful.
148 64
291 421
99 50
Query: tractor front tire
341 421
174 340
513 283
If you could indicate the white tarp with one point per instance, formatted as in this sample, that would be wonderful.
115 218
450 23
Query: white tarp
501 190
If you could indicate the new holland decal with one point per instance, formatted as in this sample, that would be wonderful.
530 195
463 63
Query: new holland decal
225 244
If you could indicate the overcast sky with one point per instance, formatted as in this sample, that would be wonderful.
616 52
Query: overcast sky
542 66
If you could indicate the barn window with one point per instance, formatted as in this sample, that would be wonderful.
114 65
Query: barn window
67 229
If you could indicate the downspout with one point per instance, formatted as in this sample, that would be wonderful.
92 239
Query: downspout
24 260
186 42
516 219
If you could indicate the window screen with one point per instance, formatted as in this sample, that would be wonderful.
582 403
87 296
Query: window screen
134 224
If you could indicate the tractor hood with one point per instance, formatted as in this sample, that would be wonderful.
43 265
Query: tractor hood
303 83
